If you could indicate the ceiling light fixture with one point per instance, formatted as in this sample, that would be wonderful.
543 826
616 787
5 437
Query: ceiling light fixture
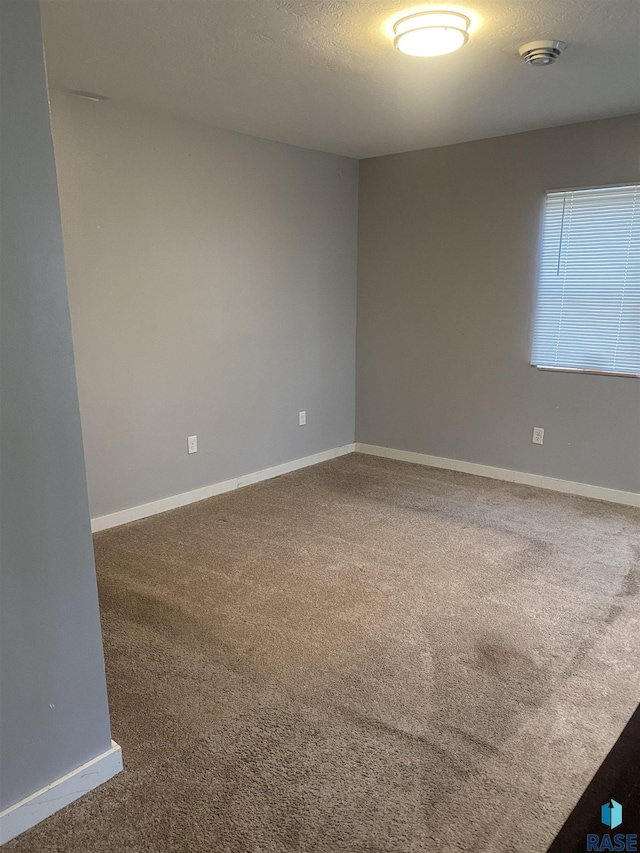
432 33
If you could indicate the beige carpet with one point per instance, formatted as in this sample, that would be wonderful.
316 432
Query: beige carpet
363 656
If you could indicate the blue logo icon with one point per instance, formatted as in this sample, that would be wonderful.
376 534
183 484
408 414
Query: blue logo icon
611 814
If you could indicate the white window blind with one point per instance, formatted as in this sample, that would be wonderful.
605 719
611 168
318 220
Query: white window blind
588 310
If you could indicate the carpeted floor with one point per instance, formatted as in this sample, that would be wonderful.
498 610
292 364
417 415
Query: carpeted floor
364 656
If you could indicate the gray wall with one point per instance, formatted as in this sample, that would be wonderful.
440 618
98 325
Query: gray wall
448 244
212 281
53 703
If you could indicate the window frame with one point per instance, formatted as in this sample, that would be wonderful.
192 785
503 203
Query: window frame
555 368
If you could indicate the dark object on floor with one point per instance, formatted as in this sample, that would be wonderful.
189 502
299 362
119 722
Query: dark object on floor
618 777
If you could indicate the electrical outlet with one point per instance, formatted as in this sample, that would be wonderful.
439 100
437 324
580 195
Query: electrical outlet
302 418
192 444
538 435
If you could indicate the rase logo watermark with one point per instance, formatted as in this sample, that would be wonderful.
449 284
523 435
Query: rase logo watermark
611 816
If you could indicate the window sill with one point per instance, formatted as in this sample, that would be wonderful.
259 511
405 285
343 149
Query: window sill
585 370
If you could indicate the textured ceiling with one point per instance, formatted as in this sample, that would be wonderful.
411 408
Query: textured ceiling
324 74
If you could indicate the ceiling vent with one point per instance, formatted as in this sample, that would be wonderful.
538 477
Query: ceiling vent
543 52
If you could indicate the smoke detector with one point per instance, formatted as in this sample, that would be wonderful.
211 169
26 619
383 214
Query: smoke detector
542 52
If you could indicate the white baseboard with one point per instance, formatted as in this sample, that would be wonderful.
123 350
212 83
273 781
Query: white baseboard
287 467
45 802
134 513
567 486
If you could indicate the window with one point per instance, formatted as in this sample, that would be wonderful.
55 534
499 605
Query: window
588 311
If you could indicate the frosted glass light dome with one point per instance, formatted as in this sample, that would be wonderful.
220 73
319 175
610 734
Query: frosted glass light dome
431 33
